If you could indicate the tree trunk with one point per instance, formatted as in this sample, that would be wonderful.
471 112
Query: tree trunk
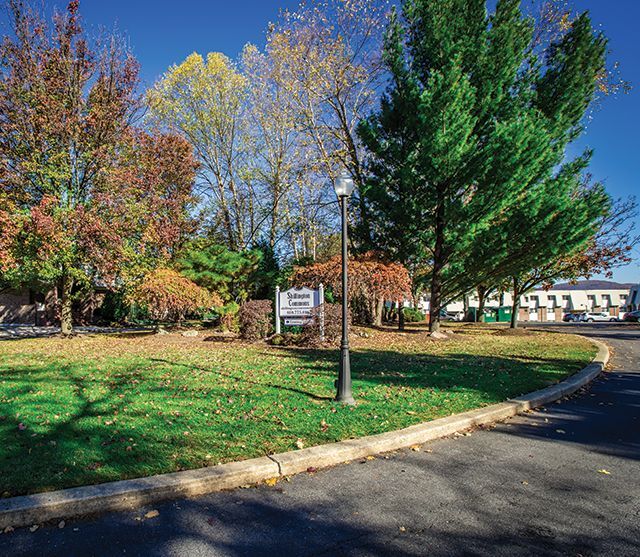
226 215
482 298
378 315
515 307
66 315
438 264
465 308
400 315
434 308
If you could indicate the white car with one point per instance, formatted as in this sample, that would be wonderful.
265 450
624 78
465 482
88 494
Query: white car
591 316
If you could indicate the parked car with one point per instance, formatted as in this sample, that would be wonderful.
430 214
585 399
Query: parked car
571 317
591 316
633 316
447 316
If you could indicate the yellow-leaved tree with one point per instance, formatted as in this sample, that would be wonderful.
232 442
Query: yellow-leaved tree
205 101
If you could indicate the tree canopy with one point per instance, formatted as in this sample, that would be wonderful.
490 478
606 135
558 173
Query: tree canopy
87 196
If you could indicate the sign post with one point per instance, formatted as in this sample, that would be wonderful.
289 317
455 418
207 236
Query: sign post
277 310
321 316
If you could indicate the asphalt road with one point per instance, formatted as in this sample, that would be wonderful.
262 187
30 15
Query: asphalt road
561 481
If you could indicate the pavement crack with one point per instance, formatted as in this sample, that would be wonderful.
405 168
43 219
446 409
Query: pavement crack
279 467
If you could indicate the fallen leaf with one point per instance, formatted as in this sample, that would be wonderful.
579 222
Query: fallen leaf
606 472
525 482
312 469
61 524
560 431
152 514
371 457
300 443
34 528
21 426
416 448
403 529
8 529
271 481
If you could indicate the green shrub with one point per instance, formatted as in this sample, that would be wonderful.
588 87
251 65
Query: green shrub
229 317
412 315
115 308
284 339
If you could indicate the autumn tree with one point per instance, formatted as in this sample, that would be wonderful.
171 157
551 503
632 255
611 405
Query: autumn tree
331 53
276 169
372 281
204 100
87 197
273 130
473 121
166 295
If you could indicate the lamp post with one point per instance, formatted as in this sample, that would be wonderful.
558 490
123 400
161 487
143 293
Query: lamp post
344 188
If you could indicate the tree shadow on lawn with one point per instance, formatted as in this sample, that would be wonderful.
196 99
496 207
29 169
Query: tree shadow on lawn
462 370
81 454
87 442
202 370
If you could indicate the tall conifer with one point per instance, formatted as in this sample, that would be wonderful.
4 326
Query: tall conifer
473 124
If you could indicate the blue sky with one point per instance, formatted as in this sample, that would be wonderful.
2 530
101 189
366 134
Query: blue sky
162 33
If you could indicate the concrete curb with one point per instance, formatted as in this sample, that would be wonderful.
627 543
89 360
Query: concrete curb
127 494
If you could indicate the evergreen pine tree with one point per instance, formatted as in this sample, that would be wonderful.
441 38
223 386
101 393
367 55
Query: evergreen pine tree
473 124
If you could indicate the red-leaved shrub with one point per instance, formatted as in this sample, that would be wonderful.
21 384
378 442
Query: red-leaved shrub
255 319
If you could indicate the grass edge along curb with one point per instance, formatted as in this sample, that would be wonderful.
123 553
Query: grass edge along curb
121 495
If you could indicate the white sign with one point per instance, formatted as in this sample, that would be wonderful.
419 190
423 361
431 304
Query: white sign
297 321
298 302
296 306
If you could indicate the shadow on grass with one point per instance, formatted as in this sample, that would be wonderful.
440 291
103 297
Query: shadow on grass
422 370
202 370
74 450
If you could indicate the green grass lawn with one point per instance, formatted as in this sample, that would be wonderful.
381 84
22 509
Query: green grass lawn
94 409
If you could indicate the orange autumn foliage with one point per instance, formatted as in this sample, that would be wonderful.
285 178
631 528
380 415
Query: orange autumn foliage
370 277
169 296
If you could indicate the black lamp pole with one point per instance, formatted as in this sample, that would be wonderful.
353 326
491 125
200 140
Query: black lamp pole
344 394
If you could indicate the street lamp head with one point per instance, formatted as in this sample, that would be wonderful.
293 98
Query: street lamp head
344 185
